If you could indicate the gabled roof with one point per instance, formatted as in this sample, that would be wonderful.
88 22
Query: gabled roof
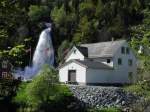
82 50
103 49
88 64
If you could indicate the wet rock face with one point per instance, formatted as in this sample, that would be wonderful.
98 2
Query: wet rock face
103 96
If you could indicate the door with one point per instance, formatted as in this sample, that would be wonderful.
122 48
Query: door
72 76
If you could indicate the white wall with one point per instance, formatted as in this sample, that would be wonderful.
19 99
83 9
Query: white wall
80 72
106 76
120 72
124 69
98 76
77 55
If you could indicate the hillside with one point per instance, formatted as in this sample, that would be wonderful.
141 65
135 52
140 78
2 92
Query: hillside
73 22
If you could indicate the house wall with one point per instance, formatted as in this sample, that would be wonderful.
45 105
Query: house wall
80 72
106 76
124 69
76 55
98 76
120 74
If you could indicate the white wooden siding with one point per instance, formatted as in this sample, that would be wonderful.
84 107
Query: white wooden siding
124 68
77 55
80 72
88 75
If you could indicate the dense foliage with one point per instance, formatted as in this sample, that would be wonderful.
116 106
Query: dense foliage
74 21
42 93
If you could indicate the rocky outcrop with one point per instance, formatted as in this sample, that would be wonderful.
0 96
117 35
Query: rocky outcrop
99 96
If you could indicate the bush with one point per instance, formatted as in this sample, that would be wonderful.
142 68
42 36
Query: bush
140 89
42 93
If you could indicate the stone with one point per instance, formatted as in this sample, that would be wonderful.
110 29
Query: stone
123 103
101 96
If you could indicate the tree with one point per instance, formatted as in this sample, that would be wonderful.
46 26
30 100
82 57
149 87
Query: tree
87 9
63 50
43 88
36 13
58 15
43 93
135 44
85 31
3 38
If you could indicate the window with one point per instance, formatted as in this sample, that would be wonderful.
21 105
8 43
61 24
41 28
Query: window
4 74
130 76
127 50
74 51
108 60
4 64
123 50
130 62
119 61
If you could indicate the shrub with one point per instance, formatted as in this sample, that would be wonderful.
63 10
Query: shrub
141 89
42 93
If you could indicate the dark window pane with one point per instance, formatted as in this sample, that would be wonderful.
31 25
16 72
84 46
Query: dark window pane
119 61
122 50
130 62
74 51
108 60
127 50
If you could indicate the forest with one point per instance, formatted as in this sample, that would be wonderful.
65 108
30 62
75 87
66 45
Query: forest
73 22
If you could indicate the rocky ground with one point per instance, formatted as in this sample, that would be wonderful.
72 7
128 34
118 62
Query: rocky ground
99 96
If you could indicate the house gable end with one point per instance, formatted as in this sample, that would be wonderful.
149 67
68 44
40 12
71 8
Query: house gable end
125 45
121 58
119 47
74 53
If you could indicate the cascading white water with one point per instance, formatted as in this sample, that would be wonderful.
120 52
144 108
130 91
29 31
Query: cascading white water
44 54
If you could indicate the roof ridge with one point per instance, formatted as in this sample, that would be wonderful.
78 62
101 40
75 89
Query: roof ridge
102 42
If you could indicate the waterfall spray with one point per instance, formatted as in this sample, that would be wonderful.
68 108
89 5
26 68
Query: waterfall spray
44 54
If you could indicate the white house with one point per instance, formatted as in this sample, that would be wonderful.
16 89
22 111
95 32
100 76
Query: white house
110 62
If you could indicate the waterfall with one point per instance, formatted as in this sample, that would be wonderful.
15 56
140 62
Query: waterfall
44 54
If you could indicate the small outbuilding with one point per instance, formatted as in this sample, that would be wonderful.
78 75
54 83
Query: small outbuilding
6 69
